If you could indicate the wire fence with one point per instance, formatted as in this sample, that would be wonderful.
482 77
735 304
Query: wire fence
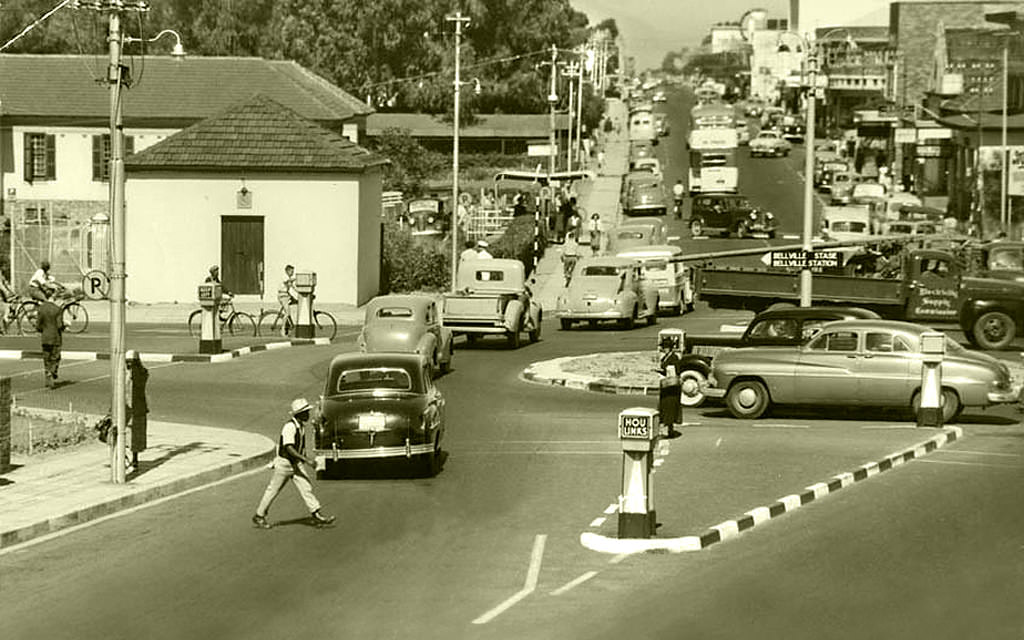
61 232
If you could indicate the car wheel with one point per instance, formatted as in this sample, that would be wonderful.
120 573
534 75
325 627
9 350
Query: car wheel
696 228
430 463
446 365
747 399
566 324
742 230
994 330
951 405
653 318
630 322
691 384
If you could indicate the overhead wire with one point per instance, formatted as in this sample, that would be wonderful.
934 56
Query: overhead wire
36 23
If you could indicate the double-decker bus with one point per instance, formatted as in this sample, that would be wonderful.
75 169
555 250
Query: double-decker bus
713 161
713 115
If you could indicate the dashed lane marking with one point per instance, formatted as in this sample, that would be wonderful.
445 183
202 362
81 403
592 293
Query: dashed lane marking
574 583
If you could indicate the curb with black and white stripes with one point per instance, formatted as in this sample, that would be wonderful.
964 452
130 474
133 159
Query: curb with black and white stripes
732 528
26 354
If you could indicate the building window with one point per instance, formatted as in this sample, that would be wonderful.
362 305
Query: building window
40 157
101 155
34 215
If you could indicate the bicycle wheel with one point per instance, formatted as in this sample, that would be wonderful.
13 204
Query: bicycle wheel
27 314
241 323
269 323
76 318
326 325
195 323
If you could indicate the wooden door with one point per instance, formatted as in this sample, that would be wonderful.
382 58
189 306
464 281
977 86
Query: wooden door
241 254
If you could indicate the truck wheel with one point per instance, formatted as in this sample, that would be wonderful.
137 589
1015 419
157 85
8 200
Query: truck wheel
446 365
535 332
994 330
692 383
566 324
951 406
513 335
747 399
696 228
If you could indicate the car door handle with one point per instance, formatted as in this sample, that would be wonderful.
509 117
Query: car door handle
852 355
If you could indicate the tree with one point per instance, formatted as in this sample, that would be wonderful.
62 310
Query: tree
411 163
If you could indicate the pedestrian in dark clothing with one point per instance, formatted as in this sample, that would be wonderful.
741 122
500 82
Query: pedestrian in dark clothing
50 325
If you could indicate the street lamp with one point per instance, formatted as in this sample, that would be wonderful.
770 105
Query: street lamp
811 61
459 20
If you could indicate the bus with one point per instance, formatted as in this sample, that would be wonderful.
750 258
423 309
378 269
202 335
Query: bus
713 161
713 115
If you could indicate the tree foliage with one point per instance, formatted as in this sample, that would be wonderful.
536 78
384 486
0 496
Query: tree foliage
411 164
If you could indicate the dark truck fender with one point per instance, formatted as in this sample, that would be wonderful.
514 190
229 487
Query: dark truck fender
992 323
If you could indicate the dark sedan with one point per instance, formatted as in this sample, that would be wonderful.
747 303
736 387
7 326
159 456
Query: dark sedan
380 406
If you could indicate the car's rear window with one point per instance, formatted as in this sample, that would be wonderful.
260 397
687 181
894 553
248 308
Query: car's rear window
394 312
490 276
630 235
376 378
601 270
849 227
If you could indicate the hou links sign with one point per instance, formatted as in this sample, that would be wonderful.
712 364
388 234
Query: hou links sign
816 260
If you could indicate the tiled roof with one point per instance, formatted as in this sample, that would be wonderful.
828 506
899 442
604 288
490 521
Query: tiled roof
164 88
260 134
423 125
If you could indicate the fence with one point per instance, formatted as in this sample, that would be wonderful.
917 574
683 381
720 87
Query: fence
63 232
484 223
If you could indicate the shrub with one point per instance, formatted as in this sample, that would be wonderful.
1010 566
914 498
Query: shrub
517 242
409 265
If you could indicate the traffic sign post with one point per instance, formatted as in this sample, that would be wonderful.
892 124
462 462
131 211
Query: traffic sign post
638 432
96 285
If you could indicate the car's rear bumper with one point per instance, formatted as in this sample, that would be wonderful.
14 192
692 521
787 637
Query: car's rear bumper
322 456
609 314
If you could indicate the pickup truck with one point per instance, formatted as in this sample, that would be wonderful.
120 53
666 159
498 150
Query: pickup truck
491 298
783 327
925 285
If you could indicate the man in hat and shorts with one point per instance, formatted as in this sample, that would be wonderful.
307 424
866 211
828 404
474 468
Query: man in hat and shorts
287 466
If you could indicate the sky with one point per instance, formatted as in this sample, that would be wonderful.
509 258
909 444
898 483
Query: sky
652 28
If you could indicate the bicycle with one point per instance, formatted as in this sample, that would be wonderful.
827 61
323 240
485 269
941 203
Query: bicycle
279 321
236 322
26 312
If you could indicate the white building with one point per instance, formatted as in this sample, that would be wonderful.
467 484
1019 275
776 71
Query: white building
253 189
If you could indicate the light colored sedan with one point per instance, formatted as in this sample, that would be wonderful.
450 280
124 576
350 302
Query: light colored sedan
606 288
769 143
407 324
856 363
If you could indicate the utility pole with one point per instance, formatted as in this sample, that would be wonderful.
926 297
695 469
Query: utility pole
459 20
552 103
1003 177
808 227
116 80
579 115
570 72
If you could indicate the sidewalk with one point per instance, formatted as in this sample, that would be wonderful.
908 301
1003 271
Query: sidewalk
50 492
178 312
599 196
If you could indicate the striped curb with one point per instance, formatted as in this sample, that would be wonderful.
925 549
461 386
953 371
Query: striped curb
25 354
732 528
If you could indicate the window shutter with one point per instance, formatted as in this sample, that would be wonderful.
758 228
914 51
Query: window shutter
97 158
28 158
129 145
51 157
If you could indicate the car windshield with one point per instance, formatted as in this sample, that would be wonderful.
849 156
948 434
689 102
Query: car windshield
841 177
656 265
630 235
394 312
351 380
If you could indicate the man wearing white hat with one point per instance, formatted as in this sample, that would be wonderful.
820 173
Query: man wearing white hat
287 466
481 250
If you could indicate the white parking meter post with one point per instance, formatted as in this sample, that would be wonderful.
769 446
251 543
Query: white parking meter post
638 433
305 284
933 348
210 294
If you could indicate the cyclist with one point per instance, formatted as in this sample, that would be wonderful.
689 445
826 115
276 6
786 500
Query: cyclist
215 277
287 297
570 255
677 195
41 285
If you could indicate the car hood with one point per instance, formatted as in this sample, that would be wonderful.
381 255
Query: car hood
391 336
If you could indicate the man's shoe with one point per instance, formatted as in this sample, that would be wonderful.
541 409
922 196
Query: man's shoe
260 521
319 518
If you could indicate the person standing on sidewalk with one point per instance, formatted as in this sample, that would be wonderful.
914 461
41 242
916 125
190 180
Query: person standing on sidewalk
287 466
594 227
50 325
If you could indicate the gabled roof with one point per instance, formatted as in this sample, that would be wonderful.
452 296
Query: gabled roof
164 89
502 125
260 134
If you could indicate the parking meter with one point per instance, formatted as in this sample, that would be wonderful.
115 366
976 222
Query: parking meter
638 433
210 294
933 348
305 285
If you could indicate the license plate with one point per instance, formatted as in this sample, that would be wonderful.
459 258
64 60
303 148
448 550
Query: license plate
372 422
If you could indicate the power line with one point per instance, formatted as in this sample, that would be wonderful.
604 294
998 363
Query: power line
32 26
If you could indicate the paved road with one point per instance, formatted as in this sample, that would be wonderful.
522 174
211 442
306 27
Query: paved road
931 549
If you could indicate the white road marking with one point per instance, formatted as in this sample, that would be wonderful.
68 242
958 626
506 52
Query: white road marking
718 442
532 574
658 462
597 522
889 426
970 464
574 583
780 426
612 508
103 377
36 372
482 452
619 558
981 453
